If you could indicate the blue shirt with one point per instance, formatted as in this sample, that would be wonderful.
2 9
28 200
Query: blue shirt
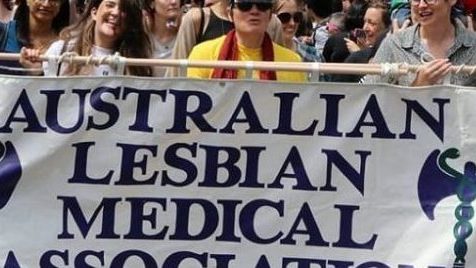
12 45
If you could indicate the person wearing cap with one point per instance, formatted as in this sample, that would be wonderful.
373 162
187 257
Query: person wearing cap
247 42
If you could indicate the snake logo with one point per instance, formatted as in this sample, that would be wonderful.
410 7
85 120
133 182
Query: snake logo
439 180
10 172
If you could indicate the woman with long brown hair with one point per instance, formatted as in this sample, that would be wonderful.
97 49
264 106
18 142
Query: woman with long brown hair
36 25
106 27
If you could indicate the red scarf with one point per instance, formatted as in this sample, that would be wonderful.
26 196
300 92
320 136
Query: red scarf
229 51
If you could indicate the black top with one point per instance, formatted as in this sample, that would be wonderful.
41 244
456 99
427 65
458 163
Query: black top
335 49
216 27
361 56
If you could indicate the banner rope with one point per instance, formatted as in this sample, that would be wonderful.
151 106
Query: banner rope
118 62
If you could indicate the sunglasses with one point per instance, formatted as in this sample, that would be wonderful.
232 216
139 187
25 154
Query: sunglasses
247 6
286 17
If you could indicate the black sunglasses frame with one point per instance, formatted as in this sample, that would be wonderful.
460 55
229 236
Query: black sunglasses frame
286 17
247 6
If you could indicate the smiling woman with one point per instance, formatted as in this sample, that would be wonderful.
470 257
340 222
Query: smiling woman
106 27
290 17
36 25
437 43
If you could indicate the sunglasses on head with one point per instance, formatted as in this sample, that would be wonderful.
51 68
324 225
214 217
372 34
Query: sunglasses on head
286 17
247 6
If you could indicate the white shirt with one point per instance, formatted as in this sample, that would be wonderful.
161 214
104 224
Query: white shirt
100 70
162 51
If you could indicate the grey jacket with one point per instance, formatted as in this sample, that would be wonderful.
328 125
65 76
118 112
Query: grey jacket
406 47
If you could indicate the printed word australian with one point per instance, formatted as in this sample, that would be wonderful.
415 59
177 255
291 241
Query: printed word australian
103 108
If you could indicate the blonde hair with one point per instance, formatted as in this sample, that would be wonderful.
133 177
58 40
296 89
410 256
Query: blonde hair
281 3
84 41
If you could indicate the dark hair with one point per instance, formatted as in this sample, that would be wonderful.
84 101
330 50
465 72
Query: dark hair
80 6
147 5
322 8
355 15
7 4
377 44
22 18
337 6
134 42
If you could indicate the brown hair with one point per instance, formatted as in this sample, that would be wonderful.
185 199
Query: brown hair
134 42
378 4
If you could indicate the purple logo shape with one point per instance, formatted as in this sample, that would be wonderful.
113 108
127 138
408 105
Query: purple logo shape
434 185
10 172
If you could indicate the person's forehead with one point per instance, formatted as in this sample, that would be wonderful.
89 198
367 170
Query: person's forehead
289 4
111 2
374 13
253 1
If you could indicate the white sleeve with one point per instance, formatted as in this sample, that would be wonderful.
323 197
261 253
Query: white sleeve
54 50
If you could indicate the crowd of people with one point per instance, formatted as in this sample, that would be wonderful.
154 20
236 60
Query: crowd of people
435 34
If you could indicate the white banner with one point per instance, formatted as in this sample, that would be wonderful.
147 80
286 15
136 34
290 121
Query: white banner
130 172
